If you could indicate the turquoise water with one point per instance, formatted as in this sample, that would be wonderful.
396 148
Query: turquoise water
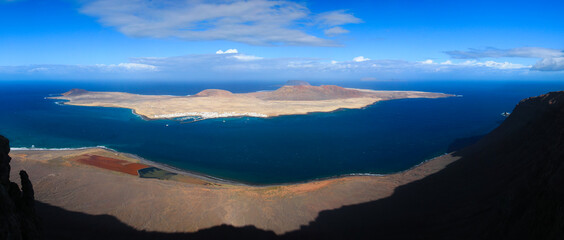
383 138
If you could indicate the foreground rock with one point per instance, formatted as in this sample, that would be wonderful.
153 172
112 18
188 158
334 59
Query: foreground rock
18 219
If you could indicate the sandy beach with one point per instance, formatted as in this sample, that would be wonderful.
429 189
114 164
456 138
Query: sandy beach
161 198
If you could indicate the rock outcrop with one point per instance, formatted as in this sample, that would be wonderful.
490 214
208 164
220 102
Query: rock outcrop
18 219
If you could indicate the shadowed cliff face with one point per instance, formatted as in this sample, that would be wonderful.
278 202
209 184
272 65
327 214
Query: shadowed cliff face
509 185
18 219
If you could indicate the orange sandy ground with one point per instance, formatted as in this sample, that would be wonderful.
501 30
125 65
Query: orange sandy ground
79 180
111 164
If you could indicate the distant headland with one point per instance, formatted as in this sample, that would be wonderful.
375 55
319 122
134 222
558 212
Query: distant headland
294 98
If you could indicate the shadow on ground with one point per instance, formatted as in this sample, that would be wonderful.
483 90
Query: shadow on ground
59 223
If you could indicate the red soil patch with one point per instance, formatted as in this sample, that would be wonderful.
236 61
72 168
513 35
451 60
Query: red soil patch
111 164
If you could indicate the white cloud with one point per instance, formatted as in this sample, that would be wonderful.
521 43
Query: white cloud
244 57
242 66
137 66
523 52
38 69
493 64
126 66
336 18
360 59
256 22
228 51
335 31
503 65
242 63
489 64
550 64
550 59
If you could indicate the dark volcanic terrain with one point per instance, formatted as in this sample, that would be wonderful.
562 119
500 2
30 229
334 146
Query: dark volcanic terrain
509 185
18 219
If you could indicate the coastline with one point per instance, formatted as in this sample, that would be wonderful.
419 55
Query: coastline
191 202
142 160
218 180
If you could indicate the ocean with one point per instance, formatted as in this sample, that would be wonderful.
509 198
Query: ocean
386 137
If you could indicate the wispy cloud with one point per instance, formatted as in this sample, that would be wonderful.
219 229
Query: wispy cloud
255 22
228 51
550 59
232 64
360 59
523 52
336 18
126 67
550 64
335 31
488 64
79 71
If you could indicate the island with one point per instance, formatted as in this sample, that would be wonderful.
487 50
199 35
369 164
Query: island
294 98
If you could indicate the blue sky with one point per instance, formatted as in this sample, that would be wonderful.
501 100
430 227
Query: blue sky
278 40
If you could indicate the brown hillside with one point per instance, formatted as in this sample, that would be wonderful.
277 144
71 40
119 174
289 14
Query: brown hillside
311 93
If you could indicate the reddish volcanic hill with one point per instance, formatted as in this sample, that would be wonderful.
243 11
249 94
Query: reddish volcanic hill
75 92
293 91
214 93
304 92
296 83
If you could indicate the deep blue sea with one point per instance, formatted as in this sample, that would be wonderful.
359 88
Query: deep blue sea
387 137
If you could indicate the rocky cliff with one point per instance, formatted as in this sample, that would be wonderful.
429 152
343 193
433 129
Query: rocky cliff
18 219
509 185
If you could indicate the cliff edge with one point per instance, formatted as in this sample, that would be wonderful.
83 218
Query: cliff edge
18 219
509 185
